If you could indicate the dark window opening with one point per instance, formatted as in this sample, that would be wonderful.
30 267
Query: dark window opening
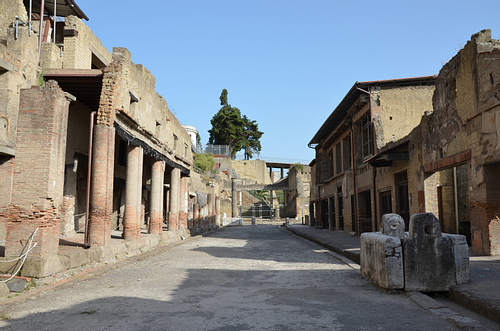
122 153
338 159
366 137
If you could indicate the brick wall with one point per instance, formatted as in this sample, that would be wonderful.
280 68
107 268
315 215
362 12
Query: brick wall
77 51
38 170
22 223
41 146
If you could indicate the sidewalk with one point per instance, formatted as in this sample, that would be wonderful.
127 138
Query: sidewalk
73 257
481 294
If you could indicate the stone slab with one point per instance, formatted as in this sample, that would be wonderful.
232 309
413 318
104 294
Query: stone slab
382 260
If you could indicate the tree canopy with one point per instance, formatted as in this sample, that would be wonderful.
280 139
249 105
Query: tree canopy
230 128
252 136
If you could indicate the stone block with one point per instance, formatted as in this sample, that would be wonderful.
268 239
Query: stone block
95 253
76 259
40 267
16 284
461 256
4 290
429 264
382 260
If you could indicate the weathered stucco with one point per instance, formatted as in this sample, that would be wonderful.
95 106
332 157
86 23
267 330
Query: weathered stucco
464 130
402 109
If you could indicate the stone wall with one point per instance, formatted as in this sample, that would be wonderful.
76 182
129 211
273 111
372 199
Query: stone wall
137 97
20 57
464 129
254 170
80 45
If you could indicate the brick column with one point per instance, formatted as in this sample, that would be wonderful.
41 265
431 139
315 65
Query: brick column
184 203
110 183
156 203
140 214
173 215
101 194
38 177
130 219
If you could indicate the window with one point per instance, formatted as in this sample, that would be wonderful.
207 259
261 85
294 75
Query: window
338 159
175 141
366 137
158 127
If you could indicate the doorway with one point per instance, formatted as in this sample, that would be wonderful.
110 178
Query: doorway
324 214
340 204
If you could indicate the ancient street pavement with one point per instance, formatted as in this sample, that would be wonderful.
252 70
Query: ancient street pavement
239 278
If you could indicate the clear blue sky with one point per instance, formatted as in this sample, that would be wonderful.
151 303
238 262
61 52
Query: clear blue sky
286 64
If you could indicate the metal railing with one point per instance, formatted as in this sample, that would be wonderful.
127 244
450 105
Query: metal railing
218 149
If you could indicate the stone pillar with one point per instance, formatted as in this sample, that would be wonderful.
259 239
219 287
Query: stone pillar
212 218
156 196
67 216
173 215
101 195
217 211
130 220
234 202
210 204
166 200
183 203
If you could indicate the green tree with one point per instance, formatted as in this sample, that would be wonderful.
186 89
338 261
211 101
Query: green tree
252 136
227 126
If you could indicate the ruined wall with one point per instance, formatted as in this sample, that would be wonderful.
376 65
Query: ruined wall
464 129
80 44
18 67
401 111
299 178
38 181
254 170
150 110
9 9
51 56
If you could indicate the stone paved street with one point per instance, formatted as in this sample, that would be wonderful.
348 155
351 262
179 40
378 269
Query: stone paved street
238 278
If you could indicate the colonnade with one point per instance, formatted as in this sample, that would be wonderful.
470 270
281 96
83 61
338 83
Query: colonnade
177 203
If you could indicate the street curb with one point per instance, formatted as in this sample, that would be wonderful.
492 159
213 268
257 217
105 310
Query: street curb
350 255
462 322
475 304
426 302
